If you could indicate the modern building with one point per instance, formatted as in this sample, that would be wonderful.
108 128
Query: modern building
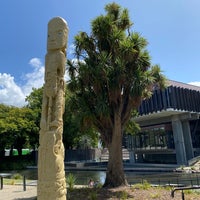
170 126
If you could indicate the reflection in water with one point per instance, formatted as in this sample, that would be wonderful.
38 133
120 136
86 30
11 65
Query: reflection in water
83 177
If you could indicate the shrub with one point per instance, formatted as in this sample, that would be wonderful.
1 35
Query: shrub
71 180
17 176
123 195
145 185
93 195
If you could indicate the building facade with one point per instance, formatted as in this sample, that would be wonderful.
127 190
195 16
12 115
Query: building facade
170 126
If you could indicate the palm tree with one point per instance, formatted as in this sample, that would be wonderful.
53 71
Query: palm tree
109 78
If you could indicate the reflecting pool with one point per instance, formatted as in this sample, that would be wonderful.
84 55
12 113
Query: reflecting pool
83 177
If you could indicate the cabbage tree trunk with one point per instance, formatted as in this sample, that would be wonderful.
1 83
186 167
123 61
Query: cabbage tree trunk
115 171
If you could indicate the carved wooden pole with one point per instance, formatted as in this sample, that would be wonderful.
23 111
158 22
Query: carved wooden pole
51 172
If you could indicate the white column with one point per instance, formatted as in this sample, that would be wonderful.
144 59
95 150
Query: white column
132 156
188 140
179 142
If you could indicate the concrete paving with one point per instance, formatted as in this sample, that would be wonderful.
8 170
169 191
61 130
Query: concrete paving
16 192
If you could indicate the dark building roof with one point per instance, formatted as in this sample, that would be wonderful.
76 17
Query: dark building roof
182 85
177 96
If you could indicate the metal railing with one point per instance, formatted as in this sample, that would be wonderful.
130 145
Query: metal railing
182 189
179 183
5 175
175 180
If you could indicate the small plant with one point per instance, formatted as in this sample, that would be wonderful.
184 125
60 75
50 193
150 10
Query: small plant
188 191
169 188
98 184
145 185
182 167
17 176
155 196
93 195
12 182
71 180
124 195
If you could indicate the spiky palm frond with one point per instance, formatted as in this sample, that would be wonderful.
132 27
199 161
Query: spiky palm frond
117 71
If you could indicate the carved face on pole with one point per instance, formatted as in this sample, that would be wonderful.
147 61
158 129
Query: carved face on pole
57 34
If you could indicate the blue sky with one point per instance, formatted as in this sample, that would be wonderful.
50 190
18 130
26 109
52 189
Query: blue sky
172 29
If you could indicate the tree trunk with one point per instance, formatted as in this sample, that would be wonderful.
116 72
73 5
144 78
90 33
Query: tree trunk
115 171
19 151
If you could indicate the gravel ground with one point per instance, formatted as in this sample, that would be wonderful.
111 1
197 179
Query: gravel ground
11 192
129 193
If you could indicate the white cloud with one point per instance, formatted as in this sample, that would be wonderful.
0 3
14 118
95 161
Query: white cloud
12 94
71 50
35 62
197 83
34 79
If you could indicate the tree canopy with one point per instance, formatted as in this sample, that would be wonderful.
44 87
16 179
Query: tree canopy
111 75
72 132
17 128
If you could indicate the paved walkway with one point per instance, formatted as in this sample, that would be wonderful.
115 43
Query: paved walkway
15 192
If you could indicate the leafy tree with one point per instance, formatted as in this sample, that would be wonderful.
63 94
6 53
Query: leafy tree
109 78
4 110
72 131
34 101
23 127
17 127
